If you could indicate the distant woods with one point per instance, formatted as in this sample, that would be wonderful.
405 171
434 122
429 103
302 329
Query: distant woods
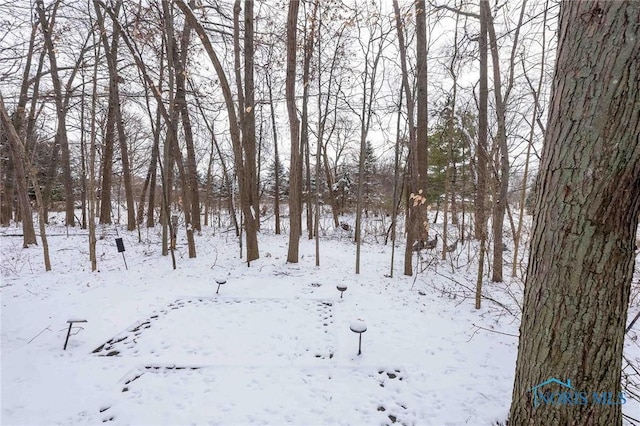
259 116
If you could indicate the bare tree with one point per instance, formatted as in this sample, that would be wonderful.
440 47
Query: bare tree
93 258
450 111
176 57
417 225
19 159
151 176
167 227
483 131
114 123
61 110
422 96
294 130
372 50
502 178
21 163
329 91
243 150
18 173
19 122
192 189
249 195
309 39
276 157
536 111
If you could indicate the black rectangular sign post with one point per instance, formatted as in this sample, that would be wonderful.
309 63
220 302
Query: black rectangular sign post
120 245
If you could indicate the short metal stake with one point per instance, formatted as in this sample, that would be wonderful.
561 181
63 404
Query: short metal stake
359 327
68 334
341 288
71 322
220 282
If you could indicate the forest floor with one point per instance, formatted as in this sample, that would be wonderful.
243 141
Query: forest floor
274 346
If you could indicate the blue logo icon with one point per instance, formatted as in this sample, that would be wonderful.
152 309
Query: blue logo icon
567 394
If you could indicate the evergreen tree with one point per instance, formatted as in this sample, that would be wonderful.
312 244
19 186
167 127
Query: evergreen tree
457 130
270 182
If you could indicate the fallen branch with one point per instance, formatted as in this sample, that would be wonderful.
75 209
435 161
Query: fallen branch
36 336
494 331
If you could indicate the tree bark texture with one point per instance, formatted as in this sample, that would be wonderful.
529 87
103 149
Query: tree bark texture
585 218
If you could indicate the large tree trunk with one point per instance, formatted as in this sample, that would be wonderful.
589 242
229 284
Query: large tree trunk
246 155
586 217
414 197
294 129
247 177
422 93
249 196
483 126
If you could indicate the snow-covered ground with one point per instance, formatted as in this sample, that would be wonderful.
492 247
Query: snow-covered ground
273 347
